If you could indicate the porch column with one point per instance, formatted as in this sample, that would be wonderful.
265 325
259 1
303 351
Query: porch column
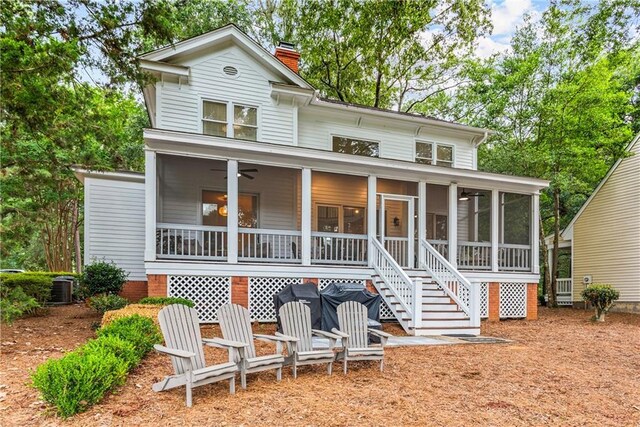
305 221
453 224
422 218
371 215
150 201
495 231
535 231
232 211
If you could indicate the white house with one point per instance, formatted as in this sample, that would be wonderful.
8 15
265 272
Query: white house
253 180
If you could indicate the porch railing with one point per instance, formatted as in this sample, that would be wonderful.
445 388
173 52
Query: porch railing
338 248
441 246
564 291
457 287
258 244
514 257
398 247
474 255
181 241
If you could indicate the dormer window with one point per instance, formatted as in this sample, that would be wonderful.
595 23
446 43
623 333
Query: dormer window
430 153
216 120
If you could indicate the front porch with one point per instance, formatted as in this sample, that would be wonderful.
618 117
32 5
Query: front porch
225 211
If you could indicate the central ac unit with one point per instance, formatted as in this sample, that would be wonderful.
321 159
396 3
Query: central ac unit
587 280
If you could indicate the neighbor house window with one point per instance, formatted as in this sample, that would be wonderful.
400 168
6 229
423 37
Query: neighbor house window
216 120
429 153
359 147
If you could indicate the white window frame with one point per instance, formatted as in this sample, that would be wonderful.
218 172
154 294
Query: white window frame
340 216
334 135
230 117
434 152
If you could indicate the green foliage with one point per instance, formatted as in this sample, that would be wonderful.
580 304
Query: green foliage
14 303
81 378
136 329
103 303
166 301
37 286
602 297
102 277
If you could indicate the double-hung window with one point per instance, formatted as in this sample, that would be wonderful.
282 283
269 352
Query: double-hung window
240 122
430 153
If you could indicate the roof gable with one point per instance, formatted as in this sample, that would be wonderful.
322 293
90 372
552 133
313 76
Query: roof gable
204 43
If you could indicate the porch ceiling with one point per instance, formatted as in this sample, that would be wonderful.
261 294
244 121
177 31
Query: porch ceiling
204 146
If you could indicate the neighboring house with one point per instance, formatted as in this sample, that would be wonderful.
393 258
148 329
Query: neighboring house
253 181
604 236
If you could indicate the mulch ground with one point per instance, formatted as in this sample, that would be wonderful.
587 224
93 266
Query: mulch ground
559 370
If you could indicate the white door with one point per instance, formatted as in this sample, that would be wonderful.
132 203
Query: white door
396 227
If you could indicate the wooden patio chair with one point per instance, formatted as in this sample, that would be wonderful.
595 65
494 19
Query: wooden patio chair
354 331
296 327
184 344
235 324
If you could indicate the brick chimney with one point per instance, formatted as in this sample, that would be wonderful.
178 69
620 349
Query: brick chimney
286 53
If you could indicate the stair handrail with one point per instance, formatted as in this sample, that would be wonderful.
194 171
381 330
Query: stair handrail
385 266
450 280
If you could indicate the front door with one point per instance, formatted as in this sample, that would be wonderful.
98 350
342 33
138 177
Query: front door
396 227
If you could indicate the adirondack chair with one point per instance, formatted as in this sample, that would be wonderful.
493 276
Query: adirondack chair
235 323
352 318
184 344
296 327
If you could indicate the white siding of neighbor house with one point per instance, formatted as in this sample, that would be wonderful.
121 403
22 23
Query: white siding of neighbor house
114 224
180 104
606 236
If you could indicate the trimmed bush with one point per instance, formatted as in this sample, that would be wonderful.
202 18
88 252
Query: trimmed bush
81 378
139 331
14 303
102 278
166 301
35 285
602 297
104 303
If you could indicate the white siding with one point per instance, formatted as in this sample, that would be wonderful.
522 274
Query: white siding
179 104
114 224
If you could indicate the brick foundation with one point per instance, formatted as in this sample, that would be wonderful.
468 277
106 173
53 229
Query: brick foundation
157 285
532 301
494 301
134 290
240 290
314 281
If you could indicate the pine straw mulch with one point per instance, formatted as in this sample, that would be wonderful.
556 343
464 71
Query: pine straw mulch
551 374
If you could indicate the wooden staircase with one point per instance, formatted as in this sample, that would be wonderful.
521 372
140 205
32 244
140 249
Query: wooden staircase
440 314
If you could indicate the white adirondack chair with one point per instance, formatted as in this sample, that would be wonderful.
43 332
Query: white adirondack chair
296 327
352 318
184 344
235 323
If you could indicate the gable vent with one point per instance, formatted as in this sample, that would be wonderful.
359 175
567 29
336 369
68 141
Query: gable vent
230 71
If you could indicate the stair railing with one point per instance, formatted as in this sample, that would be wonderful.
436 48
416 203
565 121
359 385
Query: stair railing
408 293
456 286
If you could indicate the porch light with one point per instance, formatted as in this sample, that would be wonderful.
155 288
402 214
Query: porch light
222 210
238 174
463 197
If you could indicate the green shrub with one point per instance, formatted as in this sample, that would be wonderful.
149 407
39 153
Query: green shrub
166 301
602 297
138 330
102 277
80 379
103 303
14 303
37 286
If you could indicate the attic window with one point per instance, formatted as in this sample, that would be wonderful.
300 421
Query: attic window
230 71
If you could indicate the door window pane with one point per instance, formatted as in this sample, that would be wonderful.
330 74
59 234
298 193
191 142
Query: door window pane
328 220
354 220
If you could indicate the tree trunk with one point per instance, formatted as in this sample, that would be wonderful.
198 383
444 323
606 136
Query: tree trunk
546 280
556 248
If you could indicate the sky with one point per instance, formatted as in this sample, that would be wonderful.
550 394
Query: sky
506 16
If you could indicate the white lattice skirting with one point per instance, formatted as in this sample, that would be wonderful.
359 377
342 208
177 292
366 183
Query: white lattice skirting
513 300
207 292
484 300
261 293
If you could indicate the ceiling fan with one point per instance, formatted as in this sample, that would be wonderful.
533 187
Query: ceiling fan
465 195
242 172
